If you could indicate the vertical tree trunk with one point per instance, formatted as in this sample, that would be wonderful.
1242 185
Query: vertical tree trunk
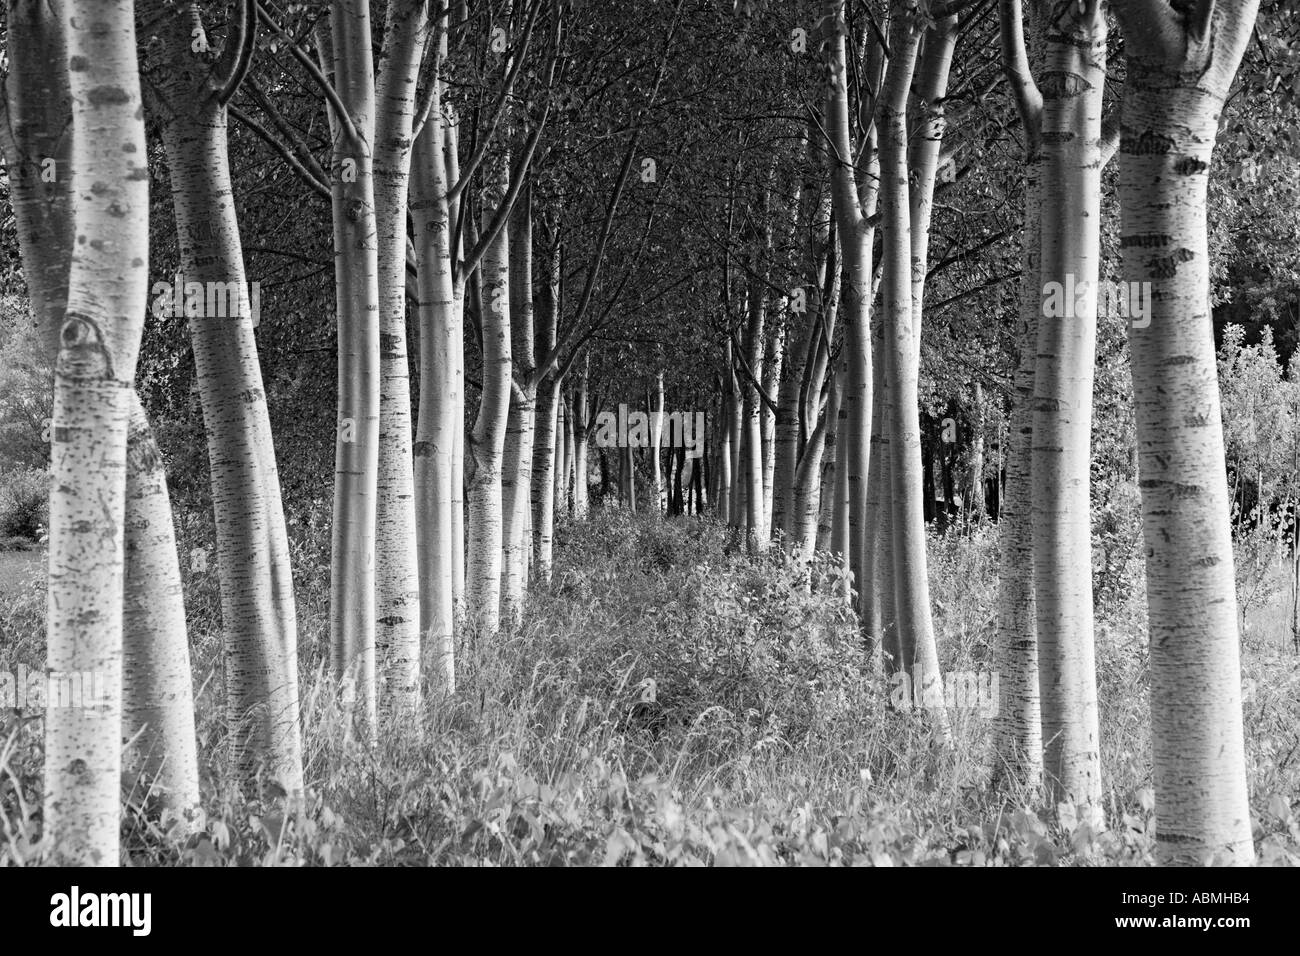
450 145
487 442
975 501
911 585
397 592
157 700
1178 76
1074 78
931 452
736 411
785 447
723 494
356 447
852 215
878 566
627 477
548 455
800 391
441 342
569 488
755 336
807 487
772 367
581 423
830 486
1018 729
548 445
517 463
656 439
561 463
94 374
258 613
157 693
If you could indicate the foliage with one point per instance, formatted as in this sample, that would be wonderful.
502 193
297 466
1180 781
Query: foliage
26 390
647 713
1261 429
24 504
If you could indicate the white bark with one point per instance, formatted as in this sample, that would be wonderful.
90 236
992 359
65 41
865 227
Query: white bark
99 343
1178 78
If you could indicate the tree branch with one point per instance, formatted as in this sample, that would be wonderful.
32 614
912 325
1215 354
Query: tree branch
485 139
286 154
326 87
246 36
1015 65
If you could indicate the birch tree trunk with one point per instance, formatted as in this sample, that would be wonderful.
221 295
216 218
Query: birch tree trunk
656 440
853 202
441 317
795 423
1074 80
1018 733
157 699
725 503
803 524
772 368
755 334
975 506
451 139
785 448
258 613
879 560
736 410
356 267
832 491
563 451
397 593
911 585
548 442
580 425
517 463
487 442
94 373
157 690
1018 743
548 467
1179 73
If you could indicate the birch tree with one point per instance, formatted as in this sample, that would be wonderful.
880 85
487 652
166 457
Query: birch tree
157 702
189 93
99 343
1181 63
397 595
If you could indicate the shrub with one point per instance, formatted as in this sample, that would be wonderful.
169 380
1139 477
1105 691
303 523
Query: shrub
24 503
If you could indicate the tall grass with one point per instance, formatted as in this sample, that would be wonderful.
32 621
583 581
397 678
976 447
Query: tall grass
667 700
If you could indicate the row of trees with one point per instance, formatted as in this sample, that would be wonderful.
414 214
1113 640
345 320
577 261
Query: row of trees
532 205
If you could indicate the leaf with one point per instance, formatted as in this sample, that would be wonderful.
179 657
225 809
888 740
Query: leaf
1279 808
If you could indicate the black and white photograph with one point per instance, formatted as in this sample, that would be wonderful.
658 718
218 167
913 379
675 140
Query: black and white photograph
671 433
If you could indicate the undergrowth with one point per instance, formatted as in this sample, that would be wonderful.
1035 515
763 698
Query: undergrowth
665 699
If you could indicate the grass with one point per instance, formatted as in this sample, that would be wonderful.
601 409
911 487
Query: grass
17 570
666 700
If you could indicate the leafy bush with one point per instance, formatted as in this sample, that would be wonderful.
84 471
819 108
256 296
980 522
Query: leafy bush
24 503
